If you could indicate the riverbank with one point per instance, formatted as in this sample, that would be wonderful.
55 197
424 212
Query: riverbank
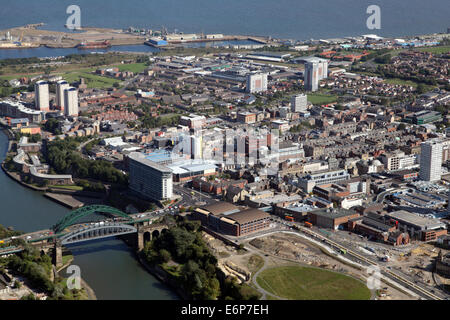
162 276
109 267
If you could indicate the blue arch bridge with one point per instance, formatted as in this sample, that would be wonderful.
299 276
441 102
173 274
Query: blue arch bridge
140 227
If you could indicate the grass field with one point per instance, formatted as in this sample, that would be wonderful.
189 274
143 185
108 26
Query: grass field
92 80
401 82
320 98
305 283
68 187
133 67
436 50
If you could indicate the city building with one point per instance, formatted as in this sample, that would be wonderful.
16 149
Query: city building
256 82
14 109
299 103
231 220
430 160
308 182
424 117
193 121
316 69
246 117
331 218
425 229
60 87
71 101
149 179
399 161
42 102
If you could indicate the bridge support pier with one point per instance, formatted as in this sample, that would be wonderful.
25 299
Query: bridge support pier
140 240
57 255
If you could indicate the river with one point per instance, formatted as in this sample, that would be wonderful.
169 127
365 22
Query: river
44 52
108 266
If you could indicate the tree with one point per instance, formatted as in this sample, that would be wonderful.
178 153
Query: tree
421 88
165 255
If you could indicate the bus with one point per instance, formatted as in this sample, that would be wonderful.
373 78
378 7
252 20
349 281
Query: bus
308 224
289 218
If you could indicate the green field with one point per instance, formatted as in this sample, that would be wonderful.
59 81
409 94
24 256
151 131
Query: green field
133 67
306 283
436 50
321 98
401 82
68 187
92 80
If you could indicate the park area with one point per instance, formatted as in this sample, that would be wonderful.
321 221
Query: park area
321 98
309 283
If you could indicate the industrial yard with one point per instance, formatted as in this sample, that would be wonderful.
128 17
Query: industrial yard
32 37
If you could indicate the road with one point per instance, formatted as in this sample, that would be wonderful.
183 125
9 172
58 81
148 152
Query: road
192 197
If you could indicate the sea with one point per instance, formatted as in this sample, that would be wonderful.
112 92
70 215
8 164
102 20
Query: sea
286 19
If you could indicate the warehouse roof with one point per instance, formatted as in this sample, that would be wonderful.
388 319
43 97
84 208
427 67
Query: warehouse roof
248 215
220 208
416 220
334 213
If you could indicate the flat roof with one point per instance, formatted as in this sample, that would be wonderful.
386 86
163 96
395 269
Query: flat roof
140 157
415 219
334 213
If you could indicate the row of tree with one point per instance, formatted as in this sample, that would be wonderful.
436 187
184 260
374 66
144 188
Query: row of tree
63 157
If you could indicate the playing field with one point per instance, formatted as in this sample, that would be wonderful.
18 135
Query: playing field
305 283
320 98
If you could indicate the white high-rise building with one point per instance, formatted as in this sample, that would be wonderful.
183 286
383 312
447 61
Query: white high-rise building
431 160
299 103
257 82
316 69
60 87
151 180
41 96
71 101
311 76
196 147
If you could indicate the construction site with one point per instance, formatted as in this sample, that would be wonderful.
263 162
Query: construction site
31 36
284 249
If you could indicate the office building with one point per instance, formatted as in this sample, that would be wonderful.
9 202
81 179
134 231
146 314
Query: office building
149 179
399 161
431 160
229 219
299 103
308 182
71 101
60 87
41 96
256 82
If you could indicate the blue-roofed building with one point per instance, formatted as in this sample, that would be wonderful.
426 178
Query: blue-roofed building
19 122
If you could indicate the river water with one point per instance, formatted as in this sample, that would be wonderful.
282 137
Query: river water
108 266
43 52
